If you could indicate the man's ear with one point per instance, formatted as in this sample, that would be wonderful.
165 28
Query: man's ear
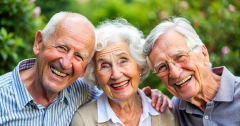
205 54
37 42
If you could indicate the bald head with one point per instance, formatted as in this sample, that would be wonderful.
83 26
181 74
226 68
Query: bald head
64 20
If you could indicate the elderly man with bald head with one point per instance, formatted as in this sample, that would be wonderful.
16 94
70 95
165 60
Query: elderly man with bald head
46 90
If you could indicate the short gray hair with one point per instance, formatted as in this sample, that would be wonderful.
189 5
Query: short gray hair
57 18
180 25
109 30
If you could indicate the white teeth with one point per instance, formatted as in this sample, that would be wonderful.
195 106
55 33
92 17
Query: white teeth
58 72
183 81
119 85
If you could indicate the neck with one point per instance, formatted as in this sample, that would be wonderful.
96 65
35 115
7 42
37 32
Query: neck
128 111
209 91
35 87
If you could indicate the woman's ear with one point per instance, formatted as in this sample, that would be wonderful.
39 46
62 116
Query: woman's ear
37 42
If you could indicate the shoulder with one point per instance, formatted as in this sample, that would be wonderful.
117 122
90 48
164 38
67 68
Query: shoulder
168 118
85 115
91 106
81 85
82 92
175 101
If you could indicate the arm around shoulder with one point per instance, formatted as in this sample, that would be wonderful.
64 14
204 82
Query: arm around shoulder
77 119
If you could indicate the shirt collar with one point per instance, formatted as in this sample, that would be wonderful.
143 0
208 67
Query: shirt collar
106 113
22 95
226 89
224 94
147 107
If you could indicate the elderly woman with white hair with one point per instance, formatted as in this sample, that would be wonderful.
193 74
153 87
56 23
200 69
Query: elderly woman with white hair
118 66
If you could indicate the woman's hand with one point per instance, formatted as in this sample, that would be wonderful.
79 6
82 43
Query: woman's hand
159 101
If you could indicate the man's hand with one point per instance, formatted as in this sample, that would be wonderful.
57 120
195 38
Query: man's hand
159 101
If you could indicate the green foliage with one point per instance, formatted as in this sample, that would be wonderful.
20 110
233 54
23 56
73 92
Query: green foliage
18 26
9 50
50 7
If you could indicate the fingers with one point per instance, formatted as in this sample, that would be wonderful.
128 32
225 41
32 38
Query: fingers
159 101
163 102
170 104
156 99
158 104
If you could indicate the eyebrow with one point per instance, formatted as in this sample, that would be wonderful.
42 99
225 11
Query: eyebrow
83 54
102 60
122 54
176 53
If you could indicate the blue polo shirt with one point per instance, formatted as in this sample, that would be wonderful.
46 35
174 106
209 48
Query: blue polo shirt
223 110
18 108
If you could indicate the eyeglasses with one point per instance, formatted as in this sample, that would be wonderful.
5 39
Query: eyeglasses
162 68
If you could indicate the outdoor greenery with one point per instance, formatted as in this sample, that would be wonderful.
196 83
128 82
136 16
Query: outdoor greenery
216 21
17 31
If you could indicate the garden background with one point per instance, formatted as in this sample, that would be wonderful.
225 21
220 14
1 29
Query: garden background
216 21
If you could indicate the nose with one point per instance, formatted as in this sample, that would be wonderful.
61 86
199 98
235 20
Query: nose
174 70
66 61
116 72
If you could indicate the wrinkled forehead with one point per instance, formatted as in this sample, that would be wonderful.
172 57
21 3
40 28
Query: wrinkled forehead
170 41
115 49
168 45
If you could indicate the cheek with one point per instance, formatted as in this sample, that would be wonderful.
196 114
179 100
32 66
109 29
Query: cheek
48 56
164 80
102 79
136 81
79 69
197 68
104 86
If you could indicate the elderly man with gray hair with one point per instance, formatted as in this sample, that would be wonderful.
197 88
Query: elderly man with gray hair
202 95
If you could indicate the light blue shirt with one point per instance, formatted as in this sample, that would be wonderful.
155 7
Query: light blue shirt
223 110
18 108
106 113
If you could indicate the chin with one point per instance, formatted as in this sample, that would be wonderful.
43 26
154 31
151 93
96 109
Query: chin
52 89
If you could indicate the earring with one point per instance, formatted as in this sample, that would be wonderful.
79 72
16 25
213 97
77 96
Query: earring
140 75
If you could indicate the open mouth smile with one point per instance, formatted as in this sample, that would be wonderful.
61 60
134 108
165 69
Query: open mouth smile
58 73
119 85
184 81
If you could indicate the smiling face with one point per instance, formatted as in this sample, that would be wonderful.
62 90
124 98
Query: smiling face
117 72
62 58
184 81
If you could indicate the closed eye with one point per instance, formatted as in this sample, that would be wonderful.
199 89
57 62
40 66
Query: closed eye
123 62
79 57
105 66
62 48
180 58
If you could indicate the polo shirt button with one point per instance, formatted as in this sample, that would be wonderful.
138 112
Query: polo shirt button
206 117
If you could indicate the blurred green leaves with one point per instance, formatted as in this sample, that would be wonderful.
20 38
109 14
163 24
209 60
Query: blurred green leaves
9 50
18 25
